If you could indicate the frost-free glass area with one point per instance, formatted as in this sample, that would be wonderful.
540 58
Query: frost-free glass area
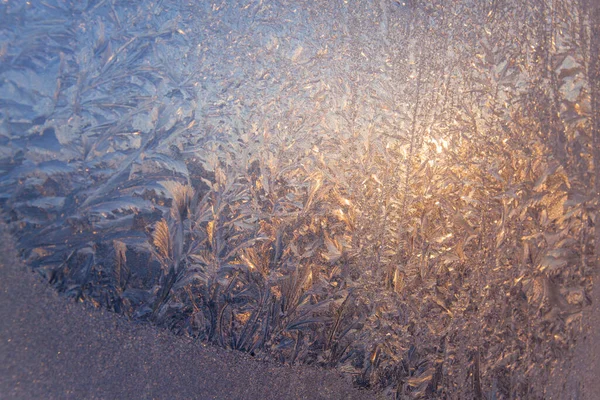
405 191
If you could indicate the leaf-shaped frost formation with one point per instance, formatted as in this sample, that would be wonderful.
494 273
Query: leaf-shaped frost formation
183 196
162 239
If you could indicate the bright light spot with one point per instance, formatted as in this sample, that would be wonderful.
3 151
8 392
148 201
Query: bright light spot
440 144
